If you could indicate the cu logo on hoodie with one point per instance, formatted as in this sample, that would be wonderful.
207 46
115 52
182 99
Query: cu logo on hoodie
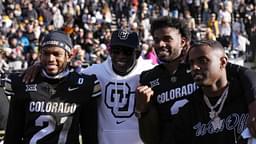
120 99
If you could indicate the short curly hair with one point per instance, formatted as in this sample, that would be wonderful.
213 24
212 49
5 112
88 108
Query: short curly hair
167 21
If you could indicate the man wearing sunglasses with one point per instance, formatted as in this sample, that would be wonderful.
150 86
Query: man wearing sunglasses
119 77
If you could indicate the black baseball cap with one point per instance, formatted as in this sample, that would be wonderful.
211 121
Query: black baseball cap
125 38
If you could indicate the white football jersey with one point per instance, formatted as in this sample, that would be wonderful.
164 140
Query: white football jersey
117 123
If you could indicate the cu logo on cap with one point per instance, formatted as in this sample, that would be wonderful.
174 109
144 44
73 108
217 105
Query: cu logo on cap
123 35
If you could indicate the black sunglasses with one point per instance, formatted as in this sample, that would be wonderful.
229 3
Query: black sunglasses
124 50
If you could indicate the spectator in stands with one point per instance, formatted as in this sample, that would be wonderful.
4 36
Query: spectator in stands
214 25
30 13
4 67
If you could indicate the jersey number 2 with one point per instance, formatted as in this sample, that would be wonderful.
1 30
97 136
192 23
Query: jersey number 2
51 127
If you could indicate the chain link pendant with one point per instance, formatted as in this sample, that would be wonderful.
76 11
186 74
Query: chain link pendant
217 123
212 114
173 79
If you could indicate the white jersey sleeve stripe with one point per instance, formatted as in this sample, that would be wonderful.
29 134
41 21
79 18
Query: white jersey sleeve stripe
8 93
8 87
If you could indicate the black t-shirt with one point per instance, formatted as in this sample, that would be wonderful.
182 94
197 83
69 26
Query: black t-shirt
52 111
171 92
193 124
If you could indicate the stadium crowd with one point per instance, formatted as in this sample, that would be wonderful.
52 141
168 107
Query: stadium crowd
23 23
90 23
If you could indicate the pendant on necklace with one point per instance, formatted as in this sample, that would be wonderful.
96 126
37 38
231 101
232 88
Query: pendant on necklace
217 123
212 114
52 91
